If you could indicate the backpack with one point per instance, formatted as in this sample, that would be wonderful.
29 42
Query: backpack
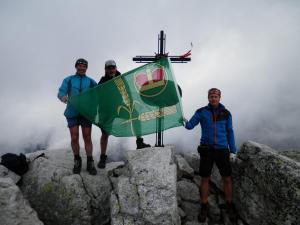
15 163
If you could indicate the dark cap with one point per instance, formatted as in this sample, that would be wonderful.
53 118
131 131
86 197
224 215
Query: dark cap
81 61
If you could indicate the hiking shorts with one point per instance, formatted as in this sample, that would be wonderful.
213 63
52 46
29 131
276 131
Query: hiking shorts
209 156
78 121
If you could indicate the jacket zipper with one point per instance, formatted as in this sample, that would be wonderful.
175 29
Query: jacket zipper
80 84
214 118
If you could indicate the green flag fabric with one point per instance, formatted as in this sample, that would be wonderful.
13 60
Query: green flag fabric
142 101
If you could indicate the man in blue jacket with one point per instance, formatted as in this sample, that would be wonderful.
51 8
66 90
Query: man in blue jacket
73 85
217 145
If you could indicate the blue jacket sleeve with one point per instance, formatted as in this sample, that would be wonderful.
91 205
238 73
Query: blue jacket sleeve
193 121
94 83
63 89
230 135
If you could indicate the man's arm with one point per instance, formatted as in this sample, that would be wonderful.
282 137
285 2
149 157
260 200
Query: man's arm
230 135
63 91
193 121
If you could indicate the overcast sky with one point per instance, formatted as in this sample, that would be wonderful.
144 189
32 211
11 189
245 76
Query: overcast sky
248 49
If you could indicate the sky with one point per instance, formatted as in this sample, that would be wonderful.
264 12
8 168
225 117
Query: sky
248 49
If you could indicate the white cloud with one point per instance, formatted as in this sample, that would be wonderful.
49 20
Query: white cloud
248 49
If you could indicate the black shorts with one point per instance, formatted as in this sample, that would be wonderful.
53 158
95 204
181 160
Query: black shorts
78 121
209 156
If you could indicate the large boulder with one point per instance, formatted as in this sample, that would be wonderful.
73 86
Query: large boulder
188 191
193 159
61 197
147 193
4 172
266 186
13 207
183 168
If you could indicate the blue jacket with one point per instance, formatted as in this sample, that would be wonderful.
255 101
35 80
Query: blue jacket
216 126
73 85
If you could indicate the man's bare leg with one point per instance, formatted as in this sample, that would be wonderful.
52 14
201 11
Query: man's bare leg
74 132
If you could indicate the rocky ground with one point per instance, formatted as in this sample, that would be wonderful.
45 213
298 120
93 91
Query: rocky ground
292 154
188 182
153 186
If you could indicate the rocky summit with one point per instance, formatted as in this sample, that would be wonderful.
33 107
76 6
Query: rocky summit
152 186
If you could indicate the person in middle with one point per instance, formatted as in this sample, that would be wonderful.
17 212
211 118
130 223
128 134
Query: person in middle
110 73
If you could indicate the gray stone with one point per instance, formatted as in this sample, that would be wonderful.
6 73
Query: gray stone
128 196
115 205
148 195
4 172
113 166
181 213
195 223
293 154
266 186
188 191
197 180
214 210
61 197
216 178
122 171
193 159
183 168
13 207
225 218
191 210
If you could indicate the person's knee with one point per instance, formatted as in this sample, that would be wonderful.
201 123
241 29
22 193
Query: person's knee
87 138
75 137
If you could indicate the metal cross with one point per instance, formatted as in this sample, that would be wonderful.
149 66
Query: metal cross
174 59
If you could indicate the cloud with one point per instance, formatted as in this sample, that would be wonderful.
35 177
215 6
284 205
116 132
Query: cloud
249 50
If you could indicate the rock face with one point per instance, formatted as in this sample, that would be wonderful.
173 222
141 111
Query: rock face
189 197
266 186
146 192
293 154
183 168
154 186
61 197
4 172
13 207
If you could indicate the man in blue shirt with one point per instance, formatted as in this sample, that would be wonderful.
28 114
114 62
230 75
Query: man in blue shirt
217 145
73 85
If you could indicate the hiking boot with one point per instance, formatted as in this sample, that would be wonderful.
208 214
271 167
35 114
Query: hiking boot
102 161
140 143
90 167
203 213
231 212
77 166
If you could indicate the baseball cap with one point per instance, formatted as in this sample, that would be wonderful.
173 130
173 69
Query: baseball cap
110 63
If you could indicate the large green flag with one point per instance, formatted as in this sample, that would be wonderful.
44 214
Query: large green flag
142 101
